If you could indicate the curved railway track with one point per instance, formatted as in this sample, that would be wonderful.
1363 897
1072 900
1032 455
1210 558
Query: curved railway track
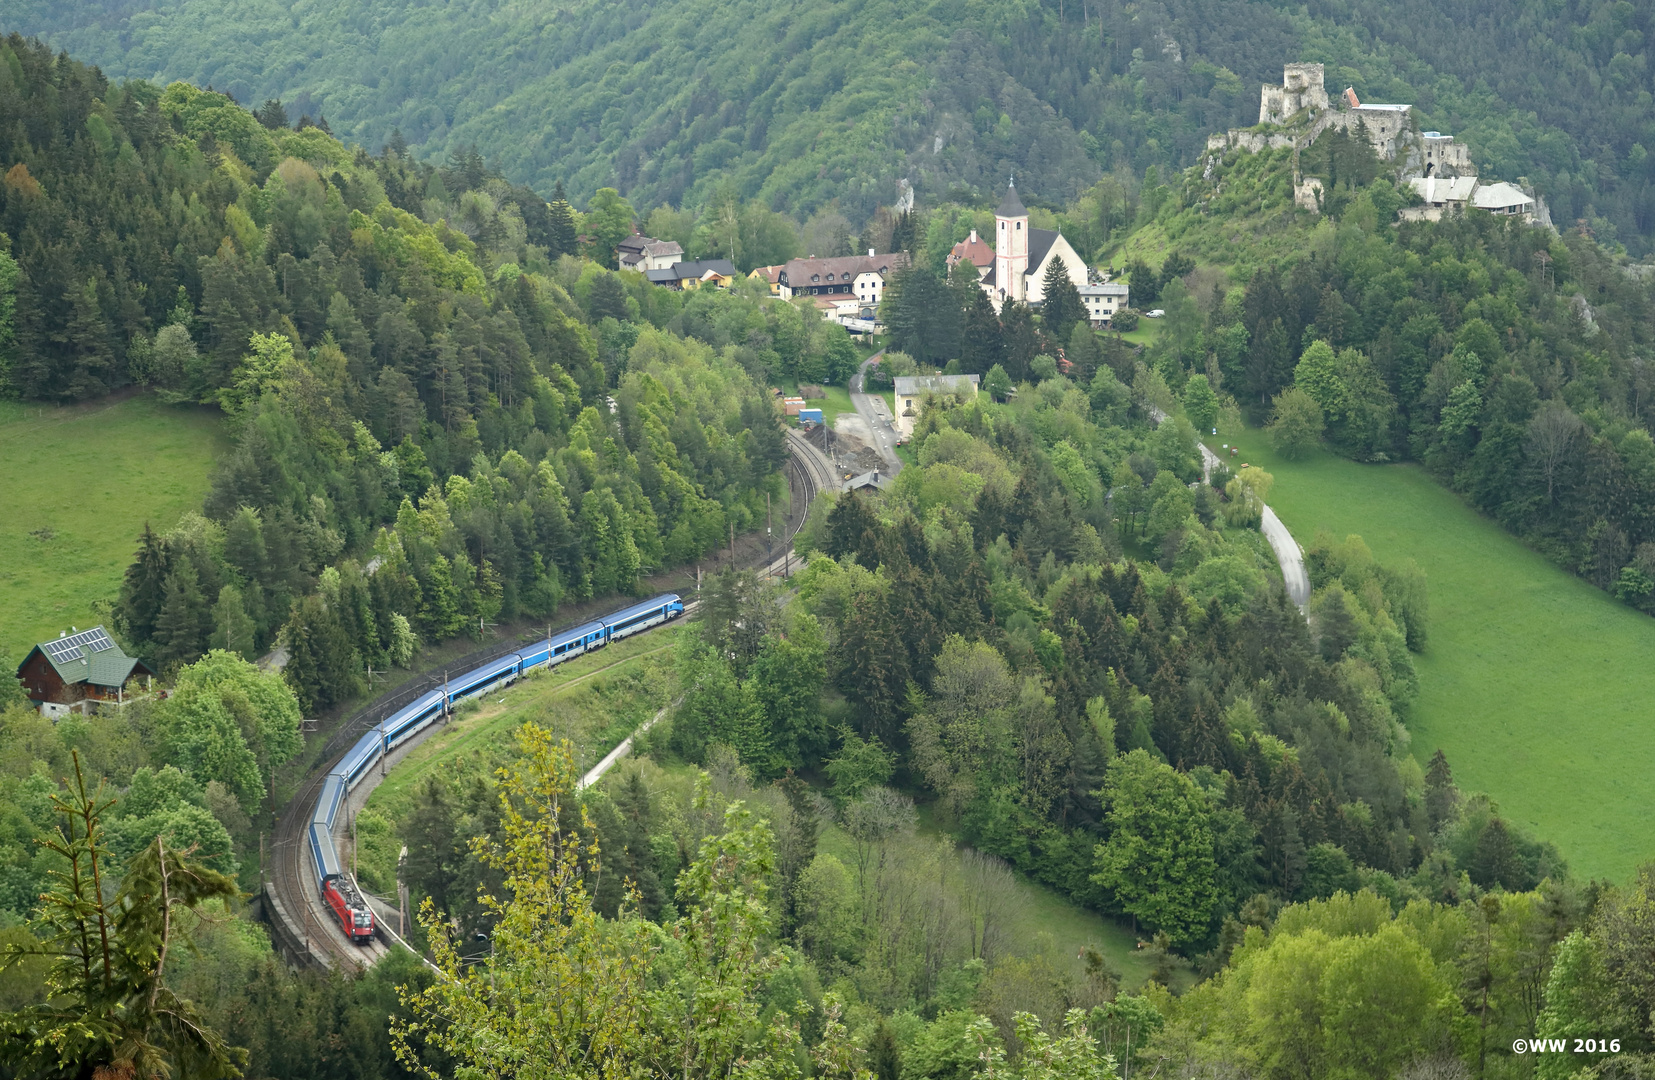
309 926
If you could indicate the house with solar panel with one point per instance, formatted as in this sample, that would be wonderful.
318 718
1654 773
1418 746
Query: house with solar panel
80 672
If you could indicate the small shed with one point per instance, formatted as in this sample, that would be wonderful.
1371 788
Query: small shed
812 416
876 480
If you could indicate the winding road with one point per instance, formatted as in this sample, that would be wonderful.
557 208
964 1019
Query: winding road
1287 550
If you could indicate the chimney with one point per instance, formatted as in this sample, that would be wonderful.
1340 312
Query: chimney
870 253
973 239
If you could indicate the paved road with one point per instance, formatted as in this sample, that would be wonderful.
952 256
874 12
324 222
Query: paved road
1287 550
873 410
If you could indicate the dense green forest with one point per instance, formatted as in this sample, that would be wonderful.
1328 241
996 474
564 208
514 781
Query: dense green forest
450 399
1513 361
1055 647
827 108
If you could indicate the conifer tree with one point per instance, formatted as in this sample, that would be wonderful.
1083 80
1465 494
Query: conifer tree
233 630
1083 353
1022 344
178 626
1060 308
562 232
144 589
981 345
109 1010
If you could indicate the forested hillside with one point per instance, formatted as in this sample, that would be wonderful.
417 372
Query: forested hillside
437 421
691 104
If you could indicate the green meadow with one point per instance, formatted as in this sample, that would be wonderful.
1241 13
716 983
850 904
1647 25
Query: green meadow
594 701
77 484
1537 686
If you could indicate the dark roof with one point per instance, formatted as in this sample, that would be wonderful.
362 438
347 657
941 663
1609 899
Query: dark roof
797 273
1011 205
90 656
723 267
684 271
1040 242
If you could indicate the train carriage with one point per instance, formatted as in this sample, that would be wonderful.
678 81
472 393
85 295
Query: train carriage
412 719
642 616
336 889
568 644
495 673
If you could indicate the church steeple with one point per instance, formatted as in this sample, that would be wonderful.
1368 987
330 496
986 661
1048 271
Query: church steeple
1011 245
1011 206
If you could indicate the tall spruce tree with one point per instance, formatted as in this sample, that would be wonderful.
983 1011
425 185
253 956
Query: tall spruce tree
982 345
563 235
143 590
1061 307
179 625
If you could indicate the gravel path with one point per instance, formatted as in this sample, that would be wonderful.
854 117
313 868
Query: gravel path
1288 552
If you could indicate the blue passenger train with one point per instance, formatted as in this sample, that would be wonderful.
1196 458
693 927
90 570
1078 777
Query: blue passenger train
337 891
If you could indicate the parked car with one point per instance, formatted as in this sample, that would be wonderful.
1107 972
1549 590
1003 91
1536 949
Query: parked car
1155 313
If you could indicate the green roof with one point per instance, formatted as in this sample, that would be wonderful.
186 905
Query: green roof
90 656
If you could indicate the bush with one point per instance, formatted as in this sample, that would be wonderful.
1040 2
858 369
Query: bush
1125 320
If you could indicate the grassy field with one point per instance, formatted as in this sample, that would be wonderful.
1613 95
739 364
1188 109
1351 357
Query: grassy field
1536 685
77 484
1044 912
836 401
594 701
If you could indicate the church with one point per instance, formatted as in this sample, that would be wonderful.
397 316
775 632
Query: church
1022 255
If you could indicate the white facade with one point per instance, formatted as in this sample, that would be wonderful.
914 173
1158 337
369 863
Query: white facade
1011 246
1022 256
1102 301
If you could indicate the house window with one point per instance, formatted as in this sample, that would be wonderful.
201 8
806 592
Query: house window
1019 226
815 277
830 277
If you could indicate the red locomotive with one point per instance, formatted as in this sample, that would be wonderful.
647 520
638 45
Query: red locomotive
353 913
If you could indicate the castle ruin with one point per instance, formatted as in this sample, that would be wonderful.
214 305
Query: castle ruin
1302 110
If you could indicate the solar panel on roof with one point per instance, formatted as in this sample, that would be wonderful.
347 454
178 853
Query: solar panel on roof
78 646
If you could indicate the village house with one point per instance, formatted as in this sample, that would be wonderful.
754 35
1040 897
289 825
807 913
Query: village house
1102 301
844 284
1022 254
1445 194
714 273
644 253
912 390
79 672
974 250
770 275
874 481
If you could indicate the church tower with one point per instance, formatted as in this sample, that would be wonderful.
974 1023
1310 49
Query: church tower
1011 245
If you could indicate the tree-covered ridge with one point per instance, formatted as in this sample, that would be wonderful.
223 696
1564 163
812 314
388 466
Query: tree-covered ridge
1079 651
439 418
1511 360
682 103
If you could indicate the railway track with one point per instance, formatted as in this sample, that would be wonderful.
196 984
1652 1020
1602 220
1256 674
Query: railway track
309 920
308 924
